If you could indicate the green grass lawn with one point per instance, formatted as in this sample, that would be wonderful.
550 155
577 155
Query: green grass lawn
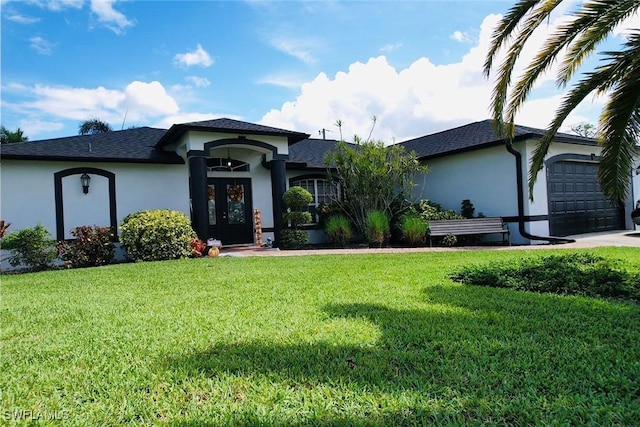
321 340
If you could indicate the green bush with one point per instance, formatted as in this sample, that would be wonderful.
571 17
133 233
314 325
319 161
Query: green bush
414 229
378 227
93 246
467 209
155 235
450 240
432 211
293 239
572 274
32 248
338 229
296 199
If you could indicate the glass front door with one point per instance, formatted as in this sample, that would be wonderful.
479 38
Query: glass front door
230 210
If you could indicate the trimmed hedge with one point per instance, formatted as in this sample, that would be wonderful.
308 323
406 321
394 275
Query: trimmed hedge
156 235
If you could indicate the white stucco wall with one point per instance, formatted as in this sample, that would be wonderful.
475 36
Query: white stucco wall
27 192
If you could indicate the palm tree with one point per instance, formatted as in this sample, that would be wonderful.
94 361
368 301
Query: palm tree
617 75
7 137
93 126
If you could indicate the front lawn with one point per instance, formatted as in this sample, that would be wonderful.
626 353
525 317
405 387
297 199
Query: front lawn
325 340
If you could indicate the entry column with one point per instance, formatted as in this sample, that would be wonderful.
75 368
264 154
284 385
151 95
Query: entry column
198 183
278 187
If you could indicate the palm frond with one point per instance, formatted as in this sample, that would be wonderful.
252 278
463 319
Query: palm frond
599 18
620 122
499 95
505 28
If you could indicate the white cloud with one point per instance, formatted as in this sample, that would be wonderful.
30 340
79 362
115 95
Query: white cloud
297 47
138 100
414 101
198 81
34 127
147 100
287 80
58 5
390 47
196 57
111 18
21 19
459 36
41 45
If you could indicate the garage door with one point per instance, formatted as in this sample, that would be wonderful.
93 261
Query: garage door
576 204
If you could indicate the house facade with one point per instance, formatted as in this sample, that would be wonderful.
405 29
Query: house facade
219 172
473 162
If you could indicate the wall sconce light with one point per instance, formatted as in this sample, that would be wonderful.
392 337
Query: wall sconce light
84 180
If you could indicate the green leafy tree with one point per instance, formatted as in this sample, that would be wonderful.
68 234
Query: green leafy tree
617 74
8 137
93 126
585 129
372 177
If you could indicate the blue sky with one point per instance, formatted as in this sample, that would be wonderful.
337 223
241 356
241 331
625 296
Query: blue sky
297 65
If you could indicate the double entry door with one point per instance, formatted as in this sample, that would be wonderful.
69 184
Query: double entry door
230 210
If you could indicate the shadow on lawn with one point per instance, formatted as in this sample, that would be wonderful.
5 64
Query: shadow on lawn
487 359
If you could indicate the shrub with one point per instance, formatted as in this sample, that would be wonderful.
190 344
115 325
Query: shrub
467 209
338 230
197 247
93 246
432 211
293 239
296 199
32 247
579 274
414 229
377 227
156 235
450 240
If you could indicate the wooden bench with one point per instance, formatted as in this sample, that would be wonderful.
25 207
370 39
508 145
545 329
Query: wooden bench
469 227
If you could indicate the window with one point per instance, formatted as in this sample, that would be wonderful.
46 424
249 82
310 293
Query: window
321 189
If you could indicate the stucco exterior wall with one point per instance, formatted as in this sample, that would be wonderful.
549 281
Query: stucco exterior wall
28 196
486 177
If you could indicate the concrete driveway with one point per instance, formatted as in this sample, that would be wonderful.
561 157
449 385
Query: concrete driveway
609 238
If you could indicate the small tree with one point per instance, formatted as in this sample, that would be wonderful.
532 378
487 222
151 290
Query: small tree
93 126
372 177
295 199
8 137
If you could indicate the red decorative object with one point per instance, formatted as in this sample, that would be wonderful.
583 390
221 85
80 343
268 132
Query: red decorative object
197 247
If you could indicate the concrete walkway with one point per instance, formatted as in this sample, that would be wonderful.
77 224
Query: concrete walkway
614 238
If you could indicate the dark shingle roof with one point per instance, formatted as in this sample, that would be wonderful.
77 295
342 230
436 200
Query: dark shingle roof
231 126
310 153
477 135
131 146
